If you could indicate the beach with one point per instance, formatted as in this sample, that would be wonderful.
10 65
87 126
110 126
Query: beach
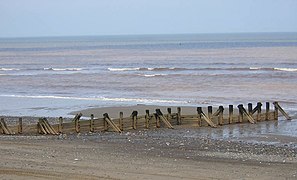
266 150
143 154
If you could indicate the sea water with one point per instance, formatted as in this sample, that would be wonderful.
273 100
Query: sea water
52 76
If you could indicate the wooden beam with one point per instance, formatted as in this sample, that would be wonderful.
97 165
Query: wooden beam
4 127
244 112
162 117
199 109
111 123
282 111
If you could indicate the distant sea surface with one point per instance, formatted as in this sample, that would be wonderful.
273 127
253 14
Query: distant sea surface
56 75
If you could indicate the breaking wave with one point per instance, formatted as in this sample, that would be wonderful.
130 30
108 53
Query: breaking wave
9 69
202 69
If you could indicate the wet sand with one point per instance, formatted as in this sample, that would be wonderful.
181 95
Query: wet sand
140 108
144 154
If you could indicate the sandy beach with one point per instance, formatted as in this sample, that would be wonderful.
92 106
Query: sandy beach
145 154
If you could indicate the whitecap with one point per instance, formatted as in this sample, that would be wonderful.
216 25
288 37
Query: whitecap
152 75
286 69
123 69
9 69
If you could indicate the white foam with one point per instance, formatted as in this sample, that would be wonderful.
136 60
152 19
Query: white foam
152 75
255 68
123 69
286 69
9 69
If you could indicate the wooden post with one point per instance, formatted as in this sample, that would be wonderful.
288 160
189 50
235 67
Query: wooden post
20 126
240 116
105 122
147 119
92 123
134 119
221 118
169 114
280 109
199 115
267 111
250 108
230 114
60 127
259 111
157 120
275 111
121 124
77 126
209 109
178 116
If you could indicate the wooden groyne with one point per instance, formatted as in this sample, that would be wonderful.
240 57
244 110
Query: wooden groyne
155 119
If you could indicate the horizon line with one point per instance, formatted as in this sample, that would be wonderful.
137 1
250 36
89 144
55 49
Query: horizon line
140 34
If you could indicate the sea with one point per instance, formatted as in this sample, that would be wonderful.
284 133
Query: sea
53 76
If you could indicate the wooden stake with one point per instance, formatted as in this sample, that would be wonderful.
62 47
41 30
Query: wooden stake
209 109
221 118
134 119
275 111
199 115
199 110
282 111
157 120
20 126
230 114
121 124
147 119
244 112
60 127
169 114
267 111
250 108
259 111
162 117
179 116
240 116
92 123
111 123
77 126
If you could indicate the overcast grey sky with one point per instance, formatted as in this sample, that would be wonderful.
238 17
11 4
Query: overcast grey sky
112 17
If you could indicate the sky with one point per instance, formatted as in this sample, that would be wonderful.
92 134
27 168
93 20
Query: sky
34 18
